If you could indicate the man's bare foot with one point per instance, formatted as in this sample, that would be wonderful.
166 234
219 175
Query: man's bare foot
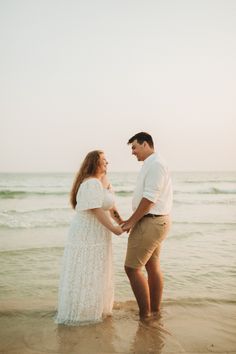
145 318
156 314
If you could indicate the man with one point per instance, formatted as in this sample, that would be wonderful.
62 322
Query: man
149 225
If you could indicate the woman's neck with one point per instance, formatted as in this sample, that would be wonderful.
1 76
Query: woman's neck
99 175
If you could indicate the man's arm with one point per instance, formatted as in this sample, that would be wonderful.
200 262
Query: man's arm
143 208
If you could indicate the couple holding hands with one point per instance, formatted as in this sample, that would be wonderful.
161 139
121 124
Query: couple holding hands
86 290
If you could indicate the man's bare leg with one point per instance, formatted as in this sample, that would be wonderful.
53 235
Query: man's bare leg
155 281
139 285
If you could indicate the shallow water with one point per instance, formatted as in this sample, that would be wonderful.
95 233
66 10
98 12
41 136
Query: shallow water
198 257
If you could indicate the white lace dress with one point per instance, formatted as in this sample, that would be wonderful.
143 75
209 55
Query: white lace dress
86 290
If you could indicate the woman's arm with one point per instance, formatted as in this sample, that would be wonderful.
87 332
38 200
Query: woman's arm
106 221
115 216
113 211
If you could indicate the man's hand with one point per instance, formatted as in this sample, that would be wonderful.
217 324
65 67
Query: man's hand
143 208
127 225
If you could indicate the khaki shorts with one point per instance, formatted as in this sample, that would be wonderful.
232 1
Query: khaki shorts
145 240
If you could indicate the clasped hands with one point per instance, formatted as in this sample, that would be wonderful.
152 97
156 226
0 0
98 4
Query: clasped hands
126 225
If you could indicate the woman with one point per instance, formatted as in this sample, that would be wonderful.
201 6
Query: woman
86 284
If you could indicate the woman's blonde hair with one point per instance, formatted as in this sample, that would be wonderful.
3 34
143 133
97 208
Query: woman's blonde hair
87 169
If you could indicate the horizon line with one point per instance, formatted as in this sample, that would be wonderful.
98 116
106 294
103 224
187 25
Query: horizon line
114 171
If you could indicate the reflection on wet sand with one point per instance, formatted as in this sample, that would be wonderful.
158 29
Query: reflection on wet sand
149 338
35 331
86 339
181 329
134 336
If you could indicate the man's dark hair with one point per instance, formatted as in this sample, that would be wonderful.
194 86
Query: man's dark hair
141 137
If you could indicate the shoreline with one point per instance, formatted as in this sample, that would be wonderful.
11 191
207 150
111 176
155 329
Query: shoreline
180 329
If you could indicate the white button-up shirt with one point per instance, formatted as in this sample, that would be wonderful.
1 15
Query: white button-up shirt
154 184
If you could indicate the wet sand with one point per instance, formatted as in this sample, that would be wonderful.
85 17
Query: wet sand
192 328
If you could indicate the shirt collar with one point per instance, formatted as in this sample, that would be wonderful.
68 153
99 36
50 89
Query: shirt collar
149 159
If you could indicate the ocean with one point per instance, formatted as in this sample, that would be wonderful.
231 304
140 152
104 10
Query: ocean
198 257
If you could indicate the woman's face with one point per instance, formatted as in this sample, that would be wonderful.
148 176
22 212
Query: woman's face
102 167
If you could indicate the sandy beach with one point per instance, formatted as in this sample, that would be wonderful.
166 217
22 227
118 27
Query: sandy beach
192 328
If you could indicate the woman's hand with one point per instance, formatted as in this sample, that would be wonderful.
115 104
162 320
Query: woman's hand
117 230
127 226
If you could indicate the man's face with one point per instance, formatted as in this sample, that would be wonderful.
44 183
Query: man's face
138 150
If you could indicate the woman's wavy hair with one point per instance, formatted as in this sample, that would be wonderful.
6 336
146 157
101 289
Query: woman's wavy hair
87 169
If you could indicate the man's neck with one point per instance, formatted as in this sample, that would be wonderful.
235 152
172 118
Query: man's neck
149 154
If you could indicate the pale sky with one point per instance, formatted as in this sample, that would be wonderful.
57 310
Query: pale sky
82 75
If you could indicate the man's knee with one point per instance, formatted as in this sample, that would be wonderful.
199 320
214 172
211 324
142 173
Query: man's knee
130 271
153 266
